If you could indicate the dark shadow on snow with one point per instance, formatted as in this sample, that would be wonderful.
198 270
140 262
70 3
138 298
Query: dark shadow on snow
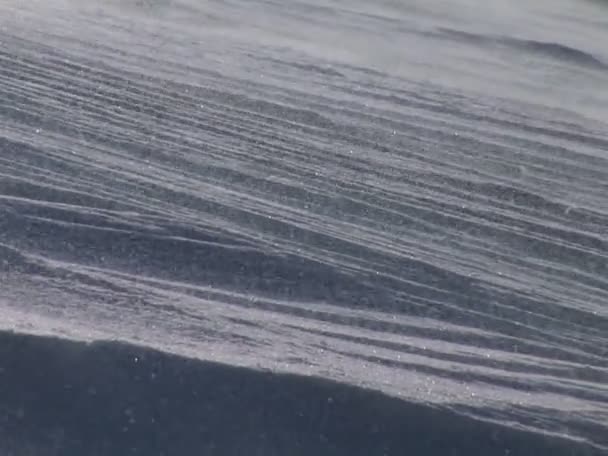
61 397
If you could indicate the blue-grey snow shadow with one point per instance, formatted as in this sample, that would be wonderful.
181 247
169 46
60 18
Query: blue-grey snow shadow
71 398
556 51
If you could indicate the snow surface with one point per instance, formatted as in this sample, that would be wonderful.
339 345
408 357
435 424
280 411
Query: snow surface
323 227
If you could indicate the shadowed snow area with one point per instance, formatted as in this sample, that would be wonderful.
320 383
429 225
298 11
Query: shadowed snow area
70 398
